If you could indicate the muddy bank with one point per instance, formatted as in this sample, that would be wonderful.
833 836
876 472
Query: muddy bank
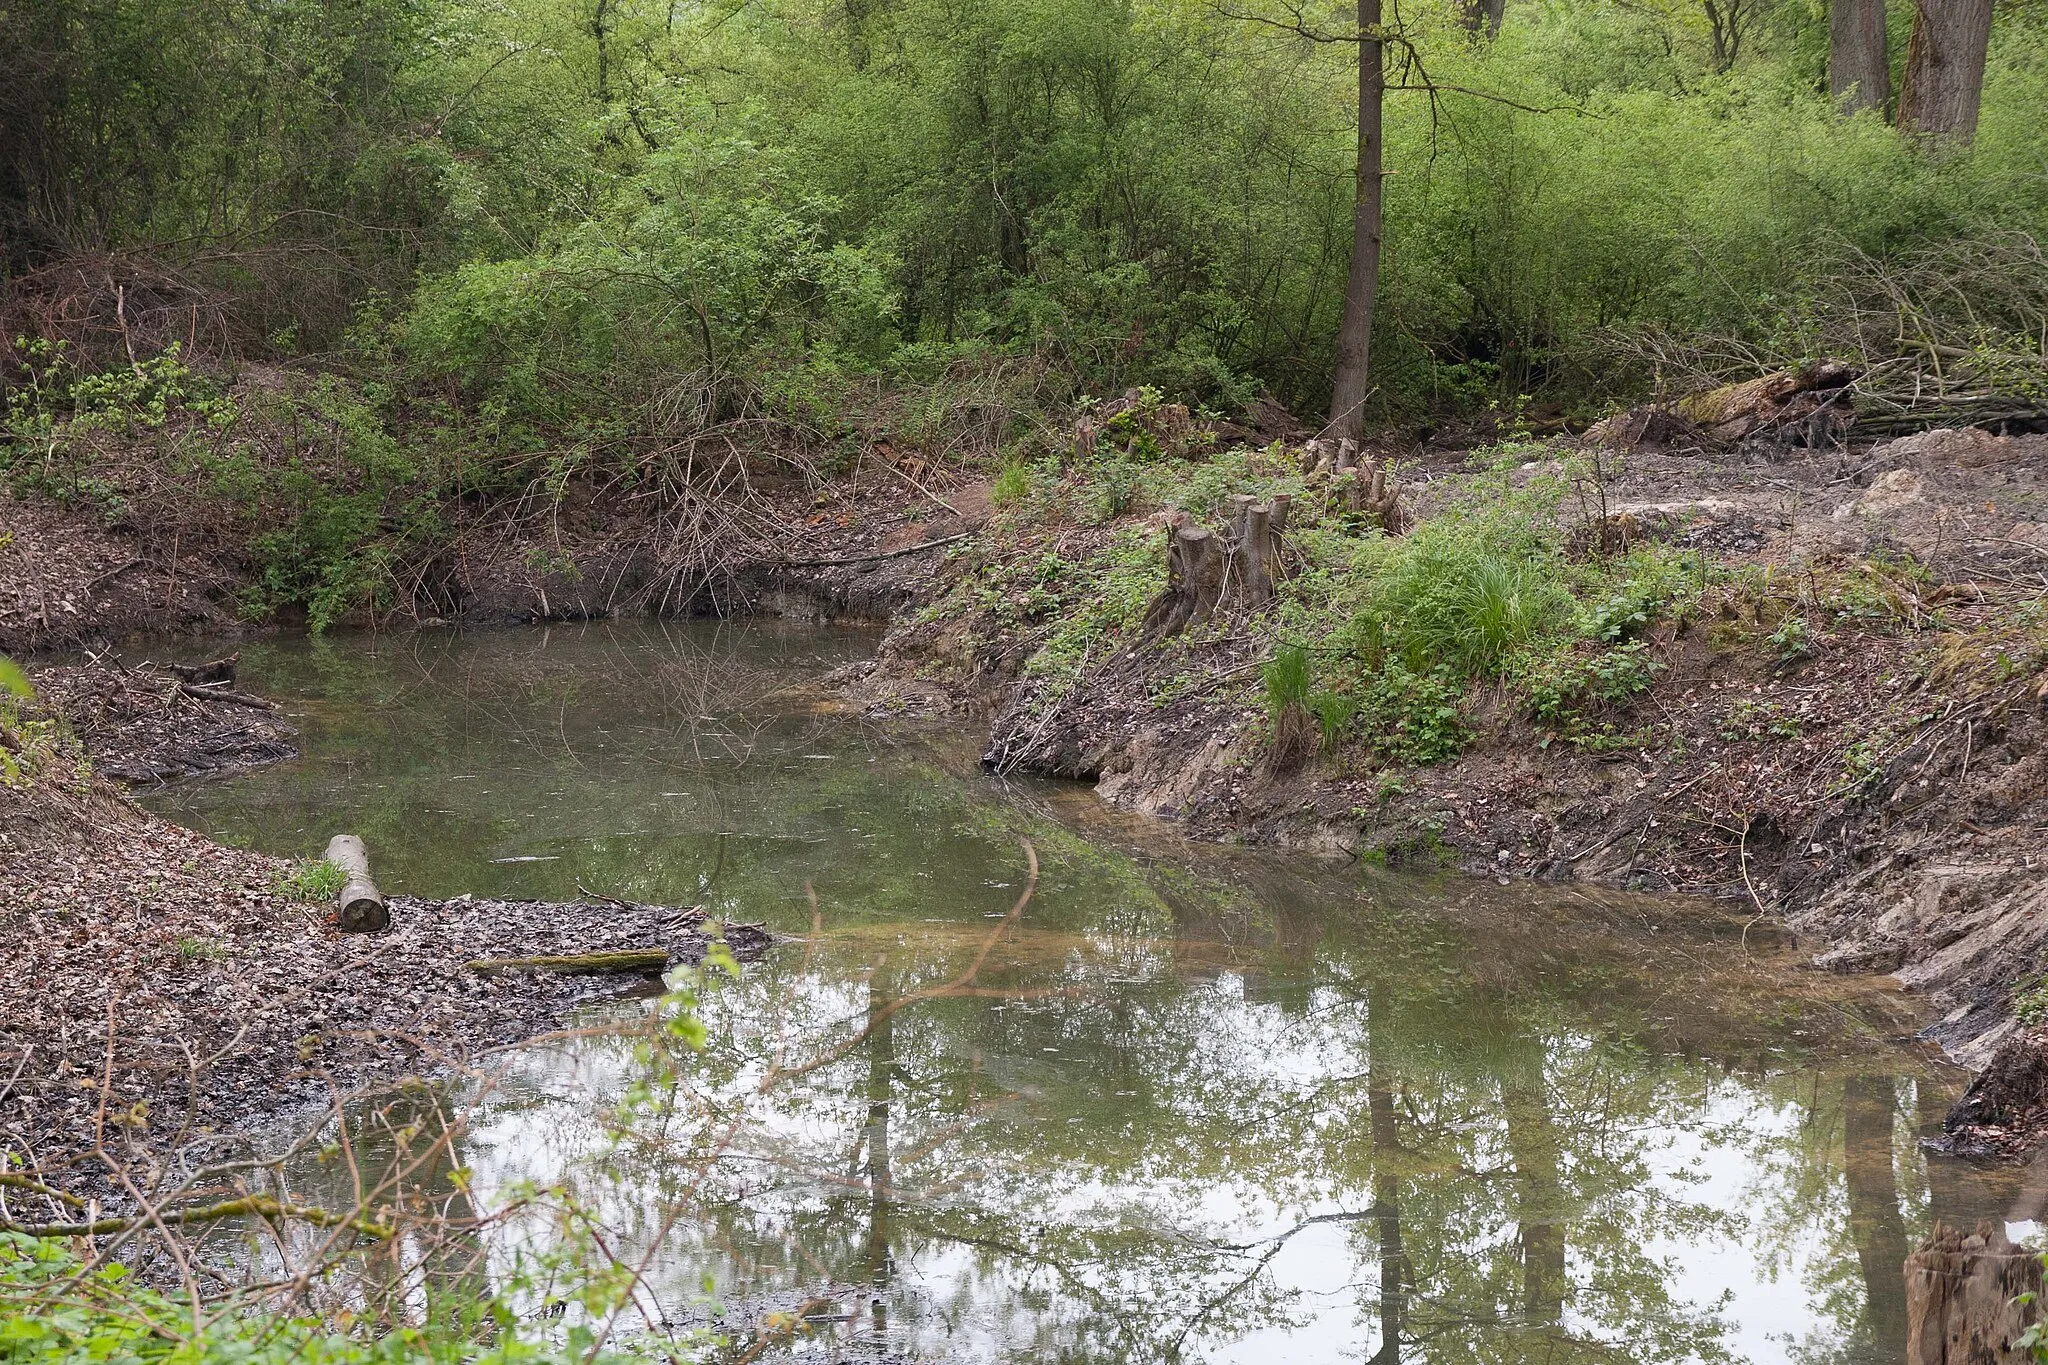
154 722
848 549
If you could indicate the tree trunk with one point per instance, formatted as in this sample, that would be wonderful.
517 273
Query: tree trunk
1481 16
1537 1152
1944 80
1869 1108
1205 570
1960 1298
1859 65
1386 1186
1351 384
1196 567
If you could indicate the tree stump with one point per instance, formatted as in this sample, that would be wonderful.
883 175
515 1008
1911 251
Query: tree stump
1205 570
1959 1298
1197 566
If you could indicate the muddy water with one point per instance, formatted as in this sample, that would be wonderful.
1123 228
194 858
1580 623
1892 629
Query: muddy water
1195 1105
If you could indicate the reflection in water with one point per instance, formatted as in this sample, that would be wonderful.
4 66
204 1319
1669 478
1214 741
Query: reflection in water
1197 1105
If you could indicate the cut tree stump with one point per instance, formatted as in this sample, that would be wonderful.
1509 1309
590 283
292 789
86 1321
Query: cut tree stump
1197 566
360 908
1205 570
1960 1292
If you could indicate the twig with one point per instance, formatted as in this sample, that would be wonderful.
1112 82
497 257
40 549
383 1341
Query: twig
254 1205
882 554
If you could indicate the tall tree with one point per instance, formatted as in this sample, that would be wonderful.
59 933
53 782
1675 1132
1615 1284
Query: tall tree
1859 64
1482 16
1352 381
1944 80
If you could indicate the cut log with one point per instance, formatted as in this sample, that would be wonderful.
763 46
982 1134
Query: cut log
650 960
1961 1298
1810 406
360 908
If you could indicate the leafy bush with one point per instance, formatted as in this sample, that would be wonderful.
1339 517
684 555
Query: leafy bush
1414 717
54 1311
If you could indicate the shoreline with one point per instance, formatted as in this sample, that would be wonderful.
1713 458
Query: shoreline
1724 776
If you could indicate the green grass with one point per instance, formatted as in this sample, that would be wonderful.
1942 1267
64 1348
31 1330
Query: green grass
314 879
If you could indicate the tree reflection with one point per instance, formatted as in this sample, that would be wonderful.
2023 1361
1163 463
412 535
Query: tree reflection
1192 1102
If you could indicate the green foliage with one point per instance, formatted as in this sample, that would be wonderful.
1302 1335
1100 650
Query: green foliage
194 949
1011 485
1103 597
314 879
54 1311
1466 593
1287 679
1406 716
1562 689
14 682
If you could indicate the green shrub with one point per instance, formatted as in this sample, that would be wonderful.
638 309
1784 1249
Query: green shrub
1462 594
1011 485
1412 717
54 1311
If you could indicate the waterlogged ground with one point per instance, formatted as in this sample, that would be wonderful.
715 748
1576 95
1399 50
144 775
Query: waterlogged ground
1196 1104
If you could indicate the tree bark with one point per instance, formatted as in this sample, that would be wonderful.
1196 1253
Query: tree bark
1196 566
1351 384
360 908
1944 81
1962 1297
1859 64
1481 16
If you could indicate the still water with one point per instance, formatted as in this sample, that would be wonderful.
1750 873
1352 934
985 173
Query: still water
1196 1104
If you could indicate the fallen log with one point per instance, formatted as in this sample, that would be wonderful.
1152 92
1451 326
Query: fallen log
213 692
218 672
578 964
1812 405
360 907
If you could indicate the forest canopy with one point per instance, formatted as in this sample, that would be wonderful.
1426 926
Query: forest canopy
548 210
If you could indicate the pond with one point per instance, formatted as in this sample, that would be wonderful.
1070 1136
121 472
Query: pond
1194 1104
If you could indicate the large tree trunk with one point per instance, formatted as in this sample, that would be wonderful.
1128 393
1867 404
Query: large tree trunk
1859 65
1354 335
1482 16
1944 80
1963 1297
